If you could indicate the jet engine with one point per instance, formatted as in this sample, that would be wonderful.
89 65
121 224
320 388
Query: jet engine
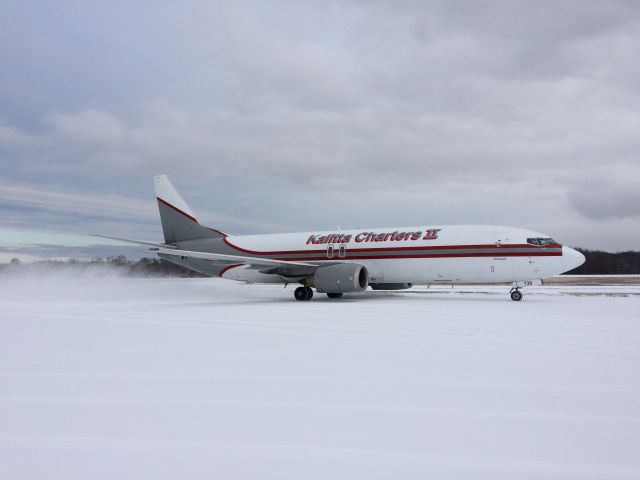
341 278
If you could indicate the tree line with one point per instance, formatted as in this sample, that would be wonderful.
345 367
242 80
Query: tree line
606 263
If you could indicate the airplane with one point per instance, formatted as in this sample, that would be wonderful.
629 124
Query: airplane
350 261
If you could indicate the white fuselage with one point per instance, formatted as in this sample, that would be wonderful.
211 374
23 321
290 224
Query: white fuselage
418 255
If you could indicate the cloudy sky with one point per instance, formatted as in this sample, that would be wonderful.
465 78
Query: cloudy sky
285 116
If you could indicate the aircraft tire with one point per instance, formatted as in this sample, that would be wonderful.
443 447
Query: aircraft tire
334 295
516 295
301 294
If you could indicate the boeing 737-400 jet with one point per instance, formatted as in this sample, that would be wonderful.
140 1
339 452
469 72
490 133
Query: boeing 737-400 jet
338 262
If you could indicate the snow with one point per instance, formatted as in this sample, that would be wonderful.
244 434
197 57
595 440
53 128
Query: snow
109 377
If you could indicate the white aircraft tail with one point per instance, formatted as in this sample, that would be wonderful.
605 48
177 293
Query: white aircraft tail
178 221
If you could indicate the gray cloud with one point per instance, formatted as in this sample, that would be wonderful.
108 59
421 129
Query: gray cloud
301 115
604 199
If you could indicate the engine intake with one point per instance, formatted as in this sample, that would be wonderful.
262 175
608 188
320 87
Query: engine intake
341 278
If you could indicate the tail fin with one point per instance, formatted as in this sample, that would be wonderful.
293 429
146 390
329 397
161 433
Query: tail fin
178 222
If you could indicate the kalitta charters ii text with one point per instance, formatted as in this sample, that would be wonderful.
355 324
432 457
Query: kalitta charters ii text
429 234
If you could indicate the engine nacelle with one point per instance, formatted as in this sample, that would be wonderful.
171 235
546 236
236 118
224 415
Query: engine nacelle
342 278
391 286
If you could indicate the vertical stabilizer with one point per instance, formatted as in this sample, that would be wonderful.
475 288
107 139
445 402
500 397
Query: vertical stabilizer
178 221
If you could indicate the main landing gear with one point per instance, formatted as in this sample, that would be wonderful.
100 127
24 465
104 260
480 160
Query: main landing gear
516 294
303 293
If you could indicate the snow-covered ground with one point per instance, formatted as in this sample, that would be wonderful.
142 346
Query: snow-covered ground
112 378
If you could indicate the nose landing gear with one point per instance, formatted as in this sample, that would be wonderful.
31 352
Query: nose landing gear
303 293
516 294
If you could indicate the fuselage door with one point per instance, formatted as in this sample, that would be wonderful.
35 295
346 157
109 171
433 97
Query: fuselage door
500 266
342 252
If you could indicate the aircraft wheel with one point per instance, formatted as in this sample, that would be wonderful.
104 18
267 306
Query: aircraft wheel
301 294
334 295
516 295
309 292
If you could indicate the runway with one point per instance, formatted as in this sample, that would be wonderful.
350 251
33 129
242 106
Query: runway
112 377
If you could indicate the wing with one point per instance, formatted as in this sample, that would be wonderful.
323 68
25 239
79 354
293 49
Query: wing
284 268
220 257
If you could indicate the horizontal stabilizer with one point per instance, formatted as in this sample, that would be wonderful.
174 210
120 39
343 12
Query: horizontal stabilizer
137 242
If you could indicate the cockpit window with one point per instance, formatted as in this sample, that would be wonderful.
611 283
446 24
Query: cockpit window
541 242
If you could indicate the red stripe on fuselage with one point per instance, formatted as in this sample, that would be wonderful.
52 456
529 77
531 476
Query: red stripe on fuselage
389 249
436 255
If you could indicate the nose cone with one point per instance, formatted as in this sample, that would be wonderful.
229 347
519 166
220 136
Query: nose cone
571 258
